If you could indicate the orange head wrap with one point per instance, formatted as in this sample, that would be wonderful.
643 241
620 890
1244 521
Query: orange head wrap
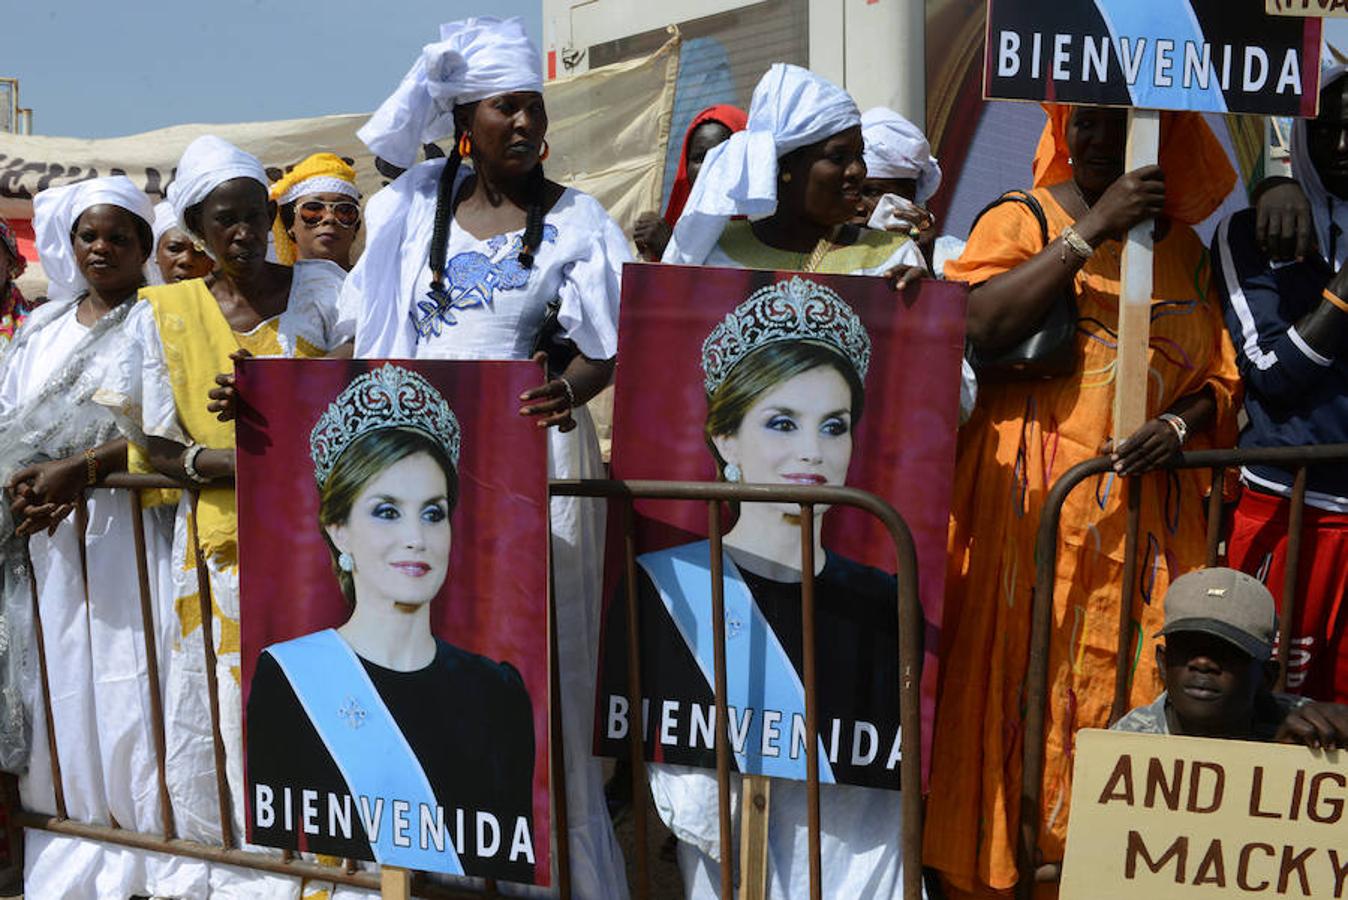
1198 173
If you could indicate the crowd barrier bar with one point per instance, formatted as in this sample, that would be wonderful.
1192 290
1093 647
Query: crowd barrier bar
714 494
1297 459
623 494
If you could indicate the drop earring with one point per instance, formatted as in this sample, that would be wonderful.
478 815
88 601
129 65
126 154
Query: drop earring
732 472
345 562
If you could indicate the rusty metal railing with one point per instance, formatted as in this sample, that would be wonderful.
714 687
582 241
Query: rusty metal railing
285 863
1297 459
624 494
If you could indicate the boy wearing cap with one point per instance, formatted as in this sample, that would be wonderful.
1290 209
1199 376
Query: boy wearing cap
1218 668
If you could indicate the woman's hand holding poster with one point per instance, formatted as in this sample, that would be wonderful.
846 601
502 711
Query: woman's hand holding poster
393 539
790 379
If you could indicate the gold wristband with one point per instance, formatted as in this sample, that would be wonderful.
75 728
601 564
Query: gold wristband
91 467
1336 300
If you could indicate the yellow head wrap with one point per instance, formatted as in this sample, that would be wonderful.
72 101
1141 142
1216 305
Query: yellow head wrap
321 173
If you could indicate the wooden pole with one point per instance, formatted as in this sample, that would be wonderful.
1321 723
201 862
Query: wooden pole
1131 379
755 808
395 883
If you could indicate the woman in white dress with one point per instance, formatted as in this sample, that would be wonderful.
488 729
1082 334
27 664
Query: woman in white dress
493 261
796 172
188 333
72 358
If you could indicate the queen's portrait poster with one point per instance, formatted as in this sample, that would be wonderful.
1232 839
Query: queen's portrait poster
778 378
393 550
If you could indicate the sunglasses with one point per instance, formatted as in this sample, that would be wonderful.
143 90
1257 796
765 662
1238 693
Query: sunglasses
312 212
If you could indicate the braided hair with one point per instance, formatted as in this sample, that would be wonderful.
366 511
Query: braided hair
444 209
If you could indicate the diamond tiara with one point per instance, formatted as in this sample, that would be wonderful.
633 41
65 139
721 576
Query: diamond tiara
797 309
387 397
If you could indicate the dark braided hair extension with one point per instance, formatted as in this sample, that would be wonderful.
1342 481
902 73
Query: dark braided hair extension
533 228
444 209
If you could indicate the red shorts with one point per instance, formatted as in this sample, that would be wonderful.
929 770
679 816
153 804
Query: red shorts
1317 665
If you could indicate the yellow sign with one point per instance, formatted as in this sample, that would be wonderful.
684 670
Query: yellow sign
1172 818
1314 9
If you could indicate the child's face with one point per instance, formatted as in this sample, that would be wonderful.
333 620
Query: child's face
1212 683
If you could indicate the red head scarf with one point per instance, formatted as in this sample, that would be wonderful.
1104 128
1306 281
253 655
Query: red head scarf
731 117
1198 174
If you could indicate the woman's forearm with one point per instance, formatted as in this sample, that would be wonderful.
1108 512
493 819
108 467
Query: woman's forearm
168 457
108 458
588 377
1005 309
1198 410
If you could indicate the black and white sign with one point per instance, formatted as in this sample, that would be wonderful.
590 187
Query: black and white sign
1206 55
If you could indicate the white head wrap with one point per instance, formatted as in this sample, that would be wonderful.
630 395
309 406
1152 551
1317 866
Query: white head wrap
320 184
896 148
1326 209
55 212
474 59
791 108
207 163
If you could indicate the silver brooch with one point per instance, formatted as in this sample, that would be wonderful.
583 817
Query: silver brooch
352 712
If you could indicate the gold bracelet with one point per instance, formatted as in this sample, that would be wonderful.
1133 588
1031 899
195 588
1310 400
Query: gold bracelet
1336 300
91 467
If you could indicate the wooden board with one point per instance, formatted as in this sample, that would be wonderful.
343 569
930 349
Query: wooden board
395 883
755 806
1131 379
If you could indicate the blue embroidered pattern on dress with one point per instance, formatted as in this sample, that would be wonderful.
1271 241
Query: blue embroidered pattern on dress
472 279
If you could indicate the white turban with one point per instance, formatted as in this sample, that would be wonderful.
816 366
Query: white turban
791 108
55 212
896 148
474 59
207 163
1325 209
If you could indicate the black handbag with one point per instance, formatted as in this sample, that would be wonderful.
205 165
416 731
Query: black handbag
1051 350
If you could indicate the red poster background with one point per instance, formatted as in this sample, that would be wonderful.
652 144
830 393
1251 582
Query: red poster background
904 444
494 601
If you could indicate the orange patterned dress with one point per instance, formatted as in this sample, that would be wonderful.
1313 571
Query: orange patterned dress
1023 437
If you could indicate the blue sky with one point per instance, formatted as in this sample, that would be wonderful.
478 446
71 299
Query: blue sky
99 69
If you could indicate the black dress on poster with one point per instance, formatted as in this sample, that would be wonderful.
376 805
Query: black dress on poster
482 779
857 661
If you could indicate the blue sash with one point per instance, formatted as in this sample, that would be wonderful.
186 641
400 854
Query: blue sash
759 673
1167 20
368 746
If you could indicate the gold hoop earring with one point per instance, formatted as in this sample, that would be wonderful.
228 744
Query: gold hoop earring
465 146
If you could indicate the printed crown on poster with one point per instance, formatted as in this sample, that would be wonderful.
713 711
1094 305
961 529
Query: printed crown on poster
387 397
797 309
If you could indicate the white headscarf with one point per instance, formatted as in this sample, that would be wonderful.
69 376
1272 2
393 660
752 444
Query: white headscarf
55 212
320 184
207 163
896 148
791 108
474 59
1326 209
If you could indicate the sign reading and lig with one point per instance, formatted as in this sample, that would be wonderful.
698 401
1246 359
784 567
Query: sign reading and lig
1208 55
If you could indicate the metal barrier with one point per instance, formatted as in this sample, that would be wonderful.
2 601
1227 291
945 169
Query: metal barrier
713 494
1046 558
